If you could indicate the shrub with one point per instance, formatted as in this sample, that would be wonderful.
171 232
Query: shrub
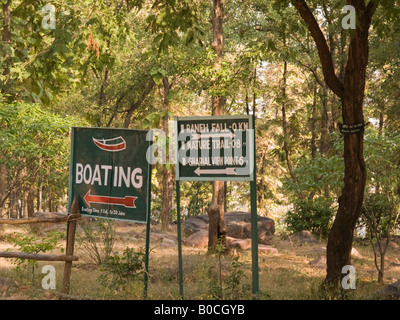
312 215
119 270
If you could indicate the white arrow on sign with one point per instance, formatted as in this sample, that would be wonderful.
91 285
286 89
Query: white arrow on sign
227 171
206 135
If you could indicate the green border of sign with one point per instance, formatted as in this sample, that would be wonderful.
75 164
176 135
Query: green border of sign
149 169
148 206
251 177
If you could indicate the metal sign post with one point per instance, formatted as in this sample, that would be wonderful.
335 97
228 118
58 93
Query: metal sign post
111 177
217 148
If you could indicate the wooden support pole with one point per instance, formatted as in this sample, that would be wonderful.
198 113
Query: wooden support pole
38 257
40 219
71 228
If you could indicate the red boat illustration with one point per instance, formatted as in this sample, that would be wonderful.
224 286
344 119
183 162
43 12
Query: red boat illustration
112 145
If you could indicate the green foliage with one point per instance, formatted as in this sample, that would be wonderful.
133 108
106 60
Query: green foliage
234 279
120 270
31 244
97 240
34 145
382 159
379 211
198 197
225 281
315 216
313 195
375 215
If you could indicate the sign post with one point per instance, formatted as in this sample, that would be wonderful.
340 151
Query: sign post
110 175
217 148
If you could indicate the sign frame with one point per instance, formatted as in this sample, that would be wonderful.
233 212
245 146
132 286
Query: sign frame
149 142
147 187
223 118
253 192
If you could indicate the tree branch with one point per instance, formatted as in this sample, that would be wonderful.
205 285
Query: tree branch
136 104
324 53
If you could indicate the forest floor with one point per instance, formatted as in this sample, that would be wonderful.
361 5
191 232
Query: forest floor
294 271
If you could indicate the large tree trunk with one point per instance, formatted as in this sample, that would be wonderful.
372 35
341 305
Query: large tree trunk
350 203
6 38
351 93
217 229
284 124
167 184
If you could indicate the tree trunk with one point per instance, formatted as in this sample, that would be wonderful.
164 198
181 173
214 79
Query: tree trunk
137 103
324 142
166 174
102 94
39 192
6 38
341 235
313 145
284 124
351 93
30 201
217 228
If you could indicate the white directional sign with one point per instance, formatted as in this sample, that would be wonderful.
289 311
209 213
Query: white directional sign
214 148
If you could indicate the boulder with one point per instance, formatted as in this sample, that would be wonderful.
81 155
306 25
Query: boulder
195 224
7 285
242 244
198 239
392 291
355 253
303 236
167 243
319 262
238 226
266 248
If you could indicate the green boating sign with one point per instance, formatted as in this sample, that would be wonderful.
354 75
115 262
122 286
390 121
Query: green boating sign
215 148
109 173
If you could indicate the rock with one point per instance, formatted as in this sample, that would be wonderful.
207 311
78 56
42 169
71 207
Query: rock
7 285
8 282
392 291
51 295
319 262
195 224
3 290
245 244
355 253
304 236
198 239
265 248
229 241
167 243
155 236
391 245
24 288
395 263
317 251
242 244
238 226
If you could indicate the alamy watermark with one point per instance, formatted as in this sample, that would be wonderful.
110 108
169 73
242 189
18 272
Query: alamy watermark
349 280
197 146
49 280
349 21
49 20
